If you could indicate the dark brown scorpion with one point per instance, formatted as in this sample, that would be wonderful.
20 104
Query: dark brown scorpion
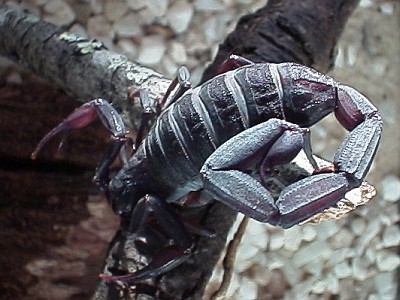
221 138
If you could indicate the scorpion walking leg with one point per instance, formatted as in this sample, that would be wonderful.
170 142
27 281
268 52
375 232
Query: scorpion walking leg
81 117
167 258
233 62
182 80
151 108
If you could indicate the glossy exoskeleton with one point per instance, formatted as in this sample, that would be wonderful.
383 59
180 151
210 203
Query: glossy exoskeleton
222 139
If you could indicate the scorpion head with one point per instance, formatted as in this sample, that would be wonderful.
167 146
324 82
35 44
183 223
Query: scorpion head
122 194
126 188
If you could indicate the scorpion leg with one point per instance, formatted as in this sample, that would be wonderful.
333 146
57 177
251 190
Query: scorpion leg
182 80
167 258
233 62
150 108
81 117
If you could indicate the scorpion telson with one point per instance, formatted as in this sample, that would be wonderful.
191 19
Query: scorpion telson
222 139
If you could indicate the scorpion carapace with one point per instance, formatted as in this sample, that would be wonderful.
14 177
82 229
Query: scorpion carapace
222 139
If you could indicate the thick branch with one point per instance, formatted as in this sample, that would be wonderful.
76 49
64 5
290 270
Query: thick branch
305 32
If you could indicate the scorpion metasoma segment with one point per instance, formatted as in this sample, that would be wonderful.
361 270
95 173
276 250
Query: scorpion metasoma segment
223 139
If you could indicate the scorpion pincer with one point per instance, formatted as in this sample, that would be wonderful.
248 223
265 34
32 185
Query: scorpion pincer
221 138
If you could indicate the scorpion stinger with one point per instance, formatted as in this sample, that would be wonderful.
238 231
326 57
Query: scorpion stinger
180 84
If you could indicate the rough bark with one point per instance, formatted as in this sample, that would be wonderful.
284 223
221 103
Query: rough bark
286 29
305 32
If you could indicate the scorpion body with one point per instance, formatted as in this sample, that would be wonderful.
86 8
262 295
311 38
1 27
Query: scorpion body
221 137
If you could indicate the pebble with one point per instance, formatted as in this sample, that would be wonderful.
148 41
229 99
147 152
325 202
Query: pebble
114 10
343 270
387 261
180 15
370 233
386 8
359 269
391 236
79 30
276 241
128 26
310 252
332 284
384 286
128 47
244 256
58 12
177 51
247 289
98 27
327 229
344 238
314 268
208 5
291 271
152 50
358 226
170 68
97 6
309 233
214 29
339 255
157 7
292 238
390 188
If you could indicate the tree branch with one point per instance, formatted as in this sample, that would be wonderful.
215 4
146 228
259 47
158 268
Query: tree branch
305 32
83 68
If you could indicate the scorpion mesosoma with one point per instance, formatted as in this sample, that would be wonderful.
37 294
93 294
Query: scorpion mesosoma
221 139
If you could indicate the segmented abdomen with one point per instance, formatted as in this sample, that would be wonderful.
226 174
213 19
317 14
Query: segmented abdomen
202 119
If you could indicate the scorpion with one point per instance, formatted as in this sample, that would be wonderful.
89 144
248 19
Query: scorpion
221 140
